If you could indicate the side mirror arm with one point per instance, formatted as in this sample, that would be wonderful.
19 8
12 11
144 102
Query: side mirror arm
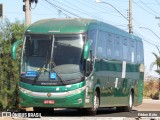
14 48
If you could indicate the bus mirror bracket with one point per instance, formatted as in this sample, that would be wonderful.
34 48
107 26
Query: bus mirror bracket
14 48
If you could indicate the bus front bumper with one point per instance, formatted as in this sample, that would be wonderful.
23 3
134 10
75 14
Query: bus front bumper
70 99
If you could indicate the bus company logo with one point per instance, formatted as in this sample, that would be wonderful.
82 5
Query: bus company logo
49 94
6 114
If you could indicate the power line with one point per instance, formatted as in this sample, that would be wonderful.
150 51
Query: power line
91 5
138 2
157 2
144 9
46 6
60 8
146 40
91 2
32 13
149 7
56 8
80 11
83 11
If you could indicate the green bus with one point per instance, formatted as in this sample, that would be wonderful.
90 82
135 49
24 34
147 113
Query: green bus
79 63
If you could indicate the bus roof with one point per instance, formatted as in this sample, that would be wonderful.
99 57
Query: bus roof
60 26
72 25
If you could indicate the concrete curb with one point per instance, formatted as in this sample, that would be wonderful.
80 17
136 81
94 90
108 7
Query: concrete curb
151 100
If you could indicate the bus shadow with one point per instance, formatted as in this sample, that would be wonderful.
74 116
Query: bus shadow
102 112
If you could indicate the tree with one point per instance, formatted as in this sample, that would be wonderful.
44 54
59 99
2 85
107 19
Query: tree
9 70
157 63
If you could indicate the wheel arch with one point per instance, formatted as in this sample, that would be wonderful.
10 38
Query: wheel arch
97 89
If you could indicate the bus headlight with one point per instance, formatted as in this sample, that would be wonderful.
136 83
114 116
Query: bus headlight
24 90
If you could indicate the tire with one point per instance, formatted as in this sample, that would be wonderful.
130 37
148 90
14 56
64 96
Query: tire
94 108
127 108
130 103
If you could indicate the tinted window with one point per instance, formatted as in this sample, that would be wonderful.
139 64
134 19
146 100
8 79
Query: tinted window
132 53
118 48
140 57
92 37
101 45
125 49
110 45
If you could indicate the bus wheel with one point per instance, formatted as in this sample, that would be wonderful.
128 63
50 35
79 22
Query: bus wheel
129 107
130 103
93 109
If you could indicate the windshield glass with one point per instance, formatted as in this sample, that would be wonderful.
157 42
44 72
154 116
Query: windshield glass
44 56
67 50
36 55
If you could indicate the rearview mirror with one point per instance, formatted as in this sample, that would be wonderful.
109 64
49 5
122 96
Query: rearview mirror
14 48
86 49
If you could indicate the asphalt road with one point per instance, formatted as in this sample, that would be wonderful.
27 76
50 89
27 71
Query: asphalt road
149 108
149 105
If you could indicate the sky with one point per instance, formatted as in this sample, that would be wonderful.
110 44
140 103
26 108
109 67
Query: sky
144 13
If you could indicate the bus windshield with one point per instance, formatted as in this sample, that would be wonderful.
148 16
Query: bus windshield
40 58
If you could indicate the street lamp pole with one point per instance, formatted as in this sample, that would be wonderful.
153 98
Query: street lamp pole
130 13
98 1
151 31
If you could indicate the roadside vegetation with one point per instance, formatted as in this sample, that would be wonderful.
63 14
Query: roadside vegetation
9 69
151 88
155 85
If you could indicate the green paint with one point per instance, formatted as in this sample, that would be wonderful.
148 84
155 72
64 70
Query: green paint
69 101
36 88
86 50
14 48
59 26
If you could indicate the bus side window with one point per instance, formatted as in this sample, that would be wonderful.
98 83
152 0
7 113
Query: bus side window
117 47
101 45
125 49
132 51
92 36
110 45
140 56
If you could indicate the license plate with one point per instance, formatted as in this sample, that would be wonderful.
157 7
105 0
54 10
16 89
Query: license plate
48 101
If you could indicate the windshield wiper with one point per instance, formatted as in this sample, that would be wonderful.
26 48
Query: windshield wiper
39 73
63 81
40 69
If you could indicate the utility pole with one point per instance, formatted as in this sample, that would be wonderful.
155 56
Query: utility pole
130 17
158 19
1 10
27 13
130 13
27 10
